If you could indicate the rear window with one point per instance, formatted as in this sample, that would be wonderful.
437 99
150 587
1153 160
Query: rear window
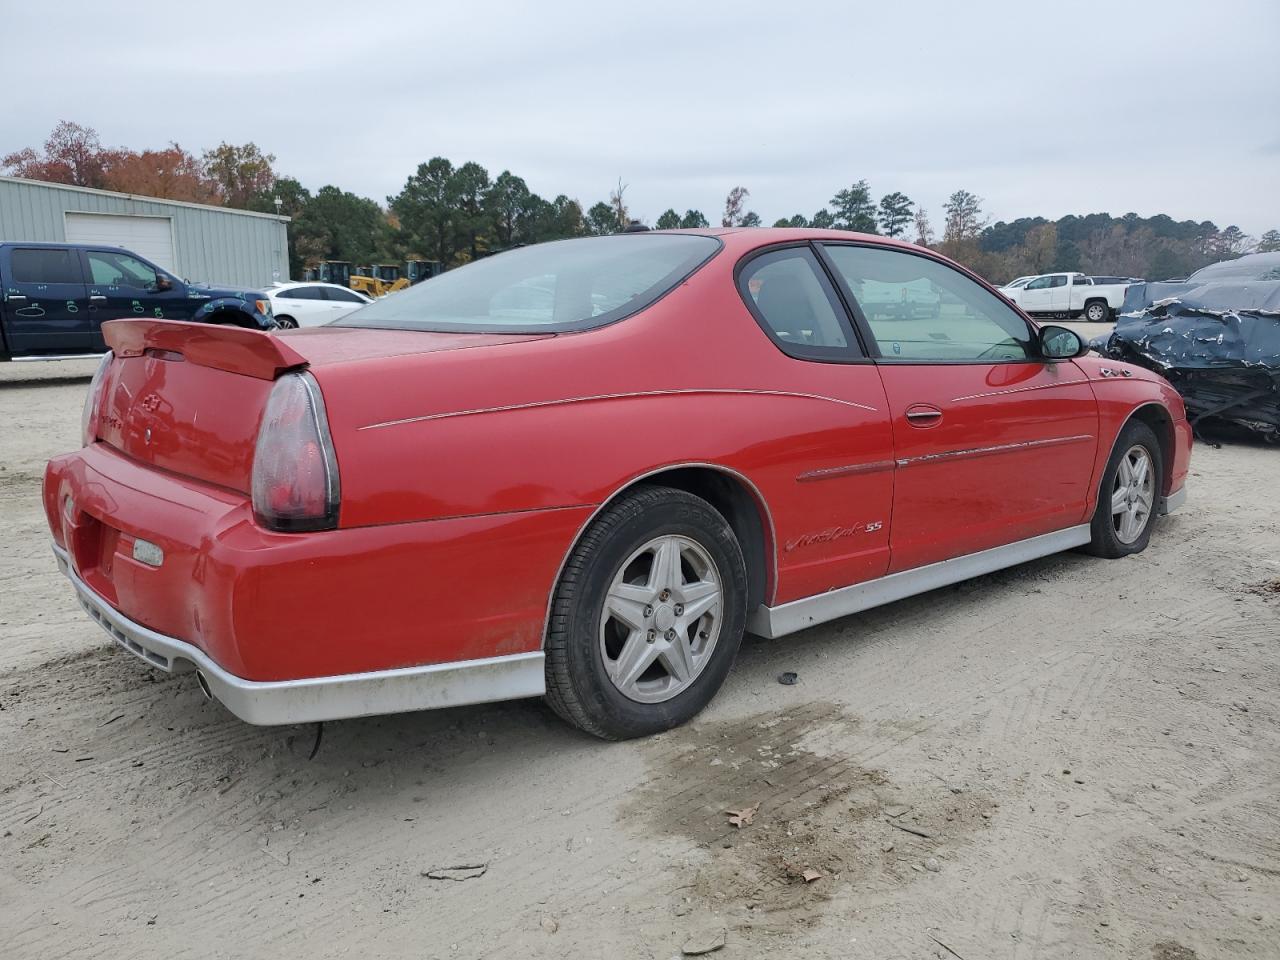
561 286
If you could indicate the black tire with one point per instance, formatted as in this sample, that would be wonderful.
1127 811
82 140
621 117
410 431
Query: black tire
1106 541
578 686
1097 311
286 323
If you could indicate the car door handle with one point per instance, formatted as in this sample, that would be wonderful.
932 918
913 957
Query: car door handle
97 298
15 297
923 415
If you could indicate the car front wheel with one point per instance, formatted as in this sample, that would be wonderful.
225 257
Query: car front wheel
648 615
1130 493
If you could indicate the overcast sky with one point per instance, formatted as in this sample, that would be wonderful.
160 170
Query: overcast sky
1156 107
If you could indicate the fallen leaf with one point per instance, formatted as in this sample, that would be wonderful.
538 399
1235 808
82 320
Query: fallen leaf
742 818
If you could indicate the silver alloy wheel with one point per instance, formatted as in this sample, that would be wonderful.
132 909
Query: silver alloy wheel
1133 495
1096 312
661 619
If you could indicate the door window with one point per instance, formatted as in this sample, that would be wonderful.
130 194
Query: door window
1058 280
1040 283
920 309
121 270
792 300
45 266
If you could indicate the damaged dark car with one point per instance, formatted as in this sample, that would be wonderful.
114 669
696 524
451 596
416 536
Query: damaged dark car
1215 336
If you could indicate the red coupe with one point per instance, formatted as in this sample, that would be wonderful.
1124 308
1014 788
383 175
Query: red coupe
581 470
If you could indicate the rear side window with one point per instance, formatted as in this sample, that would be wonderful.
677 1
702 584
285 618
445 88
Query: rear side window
342 296
921 310
562 286
46 266
302 293
791 298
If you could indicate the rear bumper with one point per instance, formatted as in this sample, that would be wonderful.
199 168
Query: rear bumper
319 698
269 607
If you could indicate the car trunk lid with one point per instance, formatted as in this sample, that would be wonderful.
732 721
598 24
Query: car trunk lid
188 398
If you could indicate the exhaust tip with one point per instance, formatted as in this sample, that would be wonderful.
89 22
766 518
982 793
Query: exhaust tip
204 685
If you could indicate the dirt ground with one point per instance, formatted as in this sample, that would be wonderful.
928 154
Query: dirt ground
1073 758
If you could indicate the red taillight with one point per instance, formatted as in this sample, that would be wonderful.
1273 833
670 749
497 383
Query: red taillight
295 472
93 402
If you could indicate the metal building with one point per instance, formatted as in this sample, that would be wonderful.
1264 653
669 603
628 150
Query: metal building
203 244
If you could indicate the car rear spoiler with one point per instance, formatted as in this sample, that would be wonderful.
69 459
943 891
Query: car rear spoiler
234 349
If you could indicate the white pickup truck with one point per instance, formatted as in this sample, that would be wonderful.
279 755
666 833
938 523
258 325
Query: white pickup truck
1068 295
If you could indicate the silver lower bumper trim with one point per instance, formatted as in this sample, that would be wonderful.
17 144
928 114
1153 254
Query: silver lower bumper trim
321 698
1173 501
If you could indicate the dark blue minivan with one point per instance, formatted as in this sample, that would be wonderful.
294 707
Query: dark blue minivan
58 295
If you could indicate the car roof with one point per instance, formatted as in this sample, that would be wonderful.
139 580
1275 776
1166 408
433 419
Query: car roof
739 240
63 246
291 284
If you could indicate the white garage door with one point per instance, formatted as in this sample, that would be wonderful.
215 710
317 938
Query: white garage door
152 237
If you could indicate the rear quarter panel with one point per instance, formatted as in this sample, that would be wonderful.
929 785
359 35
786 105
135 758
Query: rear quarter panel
568 421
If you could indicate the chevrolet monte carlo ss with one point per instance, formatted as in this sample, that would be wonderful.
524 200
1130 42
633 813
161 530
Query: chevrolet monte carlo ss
582 469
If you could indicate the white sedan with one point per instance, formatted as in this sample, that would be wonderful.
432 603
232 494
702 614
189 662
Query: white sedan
311 304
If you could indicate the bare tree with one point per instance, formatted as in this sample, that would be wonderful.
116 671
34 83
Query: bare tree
924 231
619 205
733 204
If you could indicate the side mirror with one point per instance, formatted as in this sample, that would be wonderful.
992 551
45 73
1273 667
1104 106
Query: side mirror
1061 343
163 283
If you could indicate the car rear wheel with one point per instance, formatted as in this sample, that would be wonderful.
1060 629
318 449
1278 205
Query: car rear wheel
1096 312
1129 497
648 615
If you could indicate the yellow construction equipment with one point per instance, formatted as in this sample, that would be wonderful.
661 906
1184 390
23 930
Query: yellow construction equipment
384 278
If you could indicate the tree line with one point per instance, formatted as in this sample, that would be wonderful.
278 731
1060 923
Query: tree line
456 213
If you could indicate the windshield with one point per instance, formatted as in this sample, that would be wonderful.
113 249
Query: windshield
560 286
